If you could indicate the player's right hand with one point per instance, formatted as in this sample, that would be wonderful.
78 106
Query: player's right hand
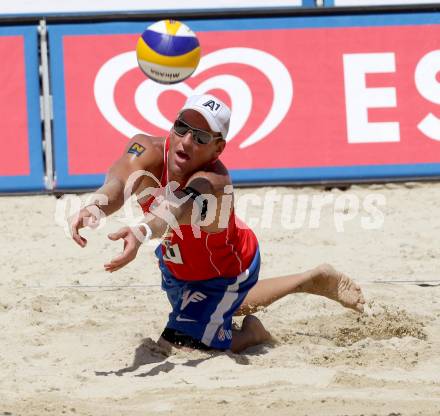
86 217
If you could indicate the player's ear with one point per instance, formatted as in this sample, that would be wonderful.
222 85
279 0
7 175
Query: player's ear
220 146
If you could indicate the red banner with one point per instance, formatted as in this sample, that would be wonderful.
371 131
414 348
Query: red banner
14 140
312 97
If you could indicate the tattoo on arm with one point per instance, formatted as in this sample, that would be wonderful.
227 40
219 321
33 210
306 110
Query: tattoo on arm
203 204
136 149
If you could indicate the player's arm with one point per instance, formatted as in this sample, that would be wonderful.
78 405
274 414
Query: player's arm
121 179
190 205
139 155
193 204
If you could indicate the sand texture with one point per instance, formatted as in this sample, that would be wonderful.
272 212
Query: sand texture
78 341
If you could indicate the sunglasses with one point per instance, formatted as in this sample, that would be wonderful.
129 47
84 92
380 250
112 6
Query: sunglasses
199 136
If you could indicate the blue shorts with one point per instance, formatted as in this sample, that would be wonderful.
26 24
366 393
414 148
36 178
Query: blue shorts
203 309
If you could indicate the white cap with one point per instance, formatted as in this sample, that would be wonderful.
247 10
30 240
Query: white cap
215 112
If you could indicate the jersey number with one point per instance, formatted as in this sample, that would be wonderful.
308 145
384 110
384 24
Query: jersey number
172 253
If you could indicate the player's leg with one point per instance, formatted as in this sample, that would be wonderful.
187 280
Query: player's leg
323 280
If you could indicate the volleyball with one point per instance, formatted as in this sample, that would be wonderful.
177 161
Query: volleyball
168 51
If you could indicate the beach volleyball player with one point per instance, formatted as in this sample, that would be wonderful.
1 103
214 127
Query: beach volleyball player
209 259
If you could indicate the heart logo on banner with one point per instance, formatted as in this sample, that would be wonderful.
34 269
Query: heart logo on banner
237 89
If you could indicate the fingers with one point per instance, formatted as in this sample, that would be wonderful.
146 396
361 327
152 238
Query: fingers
129 253
92 217
113 269
91 222
118 234
81 241
74 229
120 261
87 217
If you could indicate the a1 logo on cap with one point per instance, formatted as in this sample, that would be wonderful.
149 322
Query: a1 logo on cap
213 106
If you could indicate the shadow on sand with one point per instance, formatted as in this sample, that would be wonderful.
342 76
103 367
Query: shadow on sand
150 352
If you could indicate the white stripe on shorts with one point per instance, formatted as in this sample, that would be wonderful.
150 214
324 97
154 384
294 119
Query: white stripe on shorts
229 298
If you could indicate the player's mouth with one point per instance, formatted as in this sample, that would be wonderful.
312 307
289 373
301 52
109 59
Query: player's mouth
182 156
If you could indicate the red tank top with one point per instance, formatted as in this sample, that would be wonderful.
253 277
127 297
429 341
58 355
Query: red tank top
203 256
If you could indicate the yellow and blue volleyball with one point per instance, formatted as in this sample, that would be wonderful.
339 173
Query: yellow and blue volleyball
168 51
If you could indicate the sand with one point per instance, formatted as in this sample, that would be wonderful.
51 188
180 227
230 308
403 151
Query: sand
79 341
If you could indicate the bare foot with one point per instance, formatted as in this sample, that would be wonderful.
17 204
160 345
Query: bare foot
336 286
252 333
165 346
252 325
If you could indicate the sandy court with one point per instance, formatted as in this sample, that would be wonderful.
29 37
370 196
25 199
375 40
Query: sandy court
72 343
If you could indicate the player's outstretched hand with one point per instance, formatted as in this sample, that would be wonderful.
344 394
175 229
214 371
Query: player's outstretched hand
131 247
87 217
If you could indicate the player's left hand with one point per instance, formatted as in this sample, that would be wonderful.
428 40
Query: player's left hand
131 247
